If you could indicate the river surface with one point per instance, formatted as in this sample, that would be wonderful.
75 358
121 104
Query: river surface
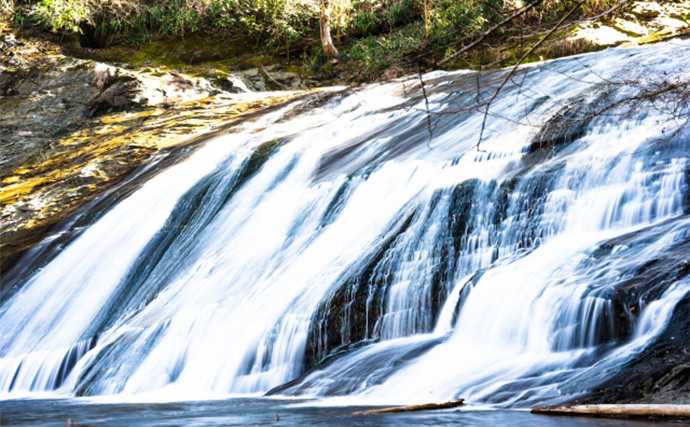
255 412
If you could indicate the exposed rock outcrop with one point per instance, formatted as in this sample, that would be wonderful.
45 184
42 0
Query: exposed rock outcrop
661 373
644 22
72 128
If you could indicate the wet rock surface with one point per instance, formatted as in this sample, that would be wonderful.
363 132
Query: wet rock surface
74 128
101 154
572 120
661 373
349 316
46 96
352 315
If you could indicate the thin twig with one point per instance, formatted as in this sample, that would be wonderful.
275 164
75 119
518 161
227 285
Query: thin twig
276 82
426 104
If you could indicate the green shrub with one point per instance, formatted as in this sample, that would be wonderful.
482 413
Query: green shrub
402 13
376 33
61 14
363 24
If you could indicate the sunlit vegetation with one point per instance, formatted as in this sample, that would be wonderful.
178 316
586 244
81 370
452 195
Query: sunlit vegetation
372 31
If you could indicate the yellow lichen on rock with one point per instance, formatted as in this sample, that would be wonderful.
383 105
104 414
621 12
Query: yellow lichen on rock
656 37
9 194
132 134
86 162
72 128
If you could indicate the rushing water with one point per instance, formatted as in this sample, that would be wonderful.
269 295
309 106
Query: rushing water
368 250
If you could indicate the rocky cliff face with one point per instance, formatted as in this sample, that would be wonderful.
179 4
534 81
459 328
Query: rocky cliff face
73 128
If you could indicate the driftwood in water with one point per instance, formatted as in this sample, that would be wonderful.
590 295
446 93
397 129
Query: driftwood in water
673 411
425 407
72 423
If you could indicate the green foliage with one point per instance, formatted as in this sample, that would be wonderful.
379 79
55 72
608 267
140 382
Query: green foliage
371 55
19 18
256 22
368 18
60 14
363 24
450 18
223 14
371 34
401 13
313 60
269 22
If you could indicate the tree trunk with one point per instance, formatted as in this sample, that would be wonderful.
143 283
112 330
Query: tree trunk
674 411
325 23
424 407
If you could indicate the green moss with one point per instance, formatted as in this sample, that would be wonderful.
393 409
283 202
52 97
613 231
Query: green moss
259 157
261 59
175 53
624 31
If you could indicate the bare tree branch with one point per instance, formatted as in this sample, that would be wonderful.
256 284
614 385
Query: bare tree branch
426 104
522 58
488 32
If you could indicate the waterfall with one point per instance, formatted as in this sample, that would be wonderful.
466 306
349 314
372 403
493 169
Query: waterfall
368 249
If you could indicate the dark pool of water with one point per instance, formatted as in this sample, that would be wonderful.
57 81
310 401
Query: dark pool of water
260 412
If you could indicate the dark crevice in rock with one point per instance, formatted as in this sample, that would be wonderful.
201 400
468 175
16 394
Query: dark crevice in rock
349 315
660 374
465 292
459 223
352 314
89 37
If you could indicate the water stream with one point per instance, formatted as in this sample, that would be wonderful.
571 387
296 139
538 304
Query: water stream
368 251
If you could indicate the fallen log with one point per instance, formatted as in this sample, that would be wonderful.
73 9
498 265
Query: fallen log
72 423
668 411
424 407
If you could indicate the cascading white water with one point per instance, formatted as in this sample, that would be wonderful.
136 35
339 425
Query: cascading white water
457 271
